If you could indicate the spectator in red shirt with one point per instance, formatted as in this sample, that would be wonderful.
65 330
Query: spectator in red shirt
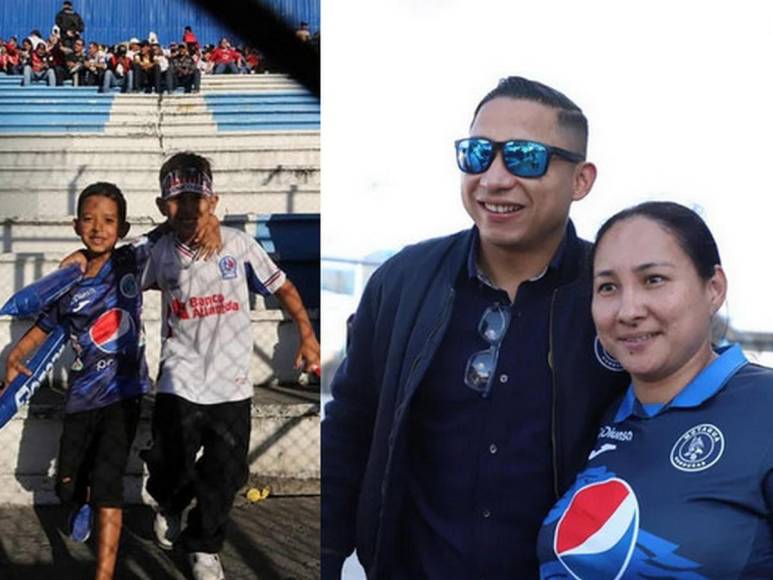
119 71
225 58
190 39
39 67
54 48
13 57
253 60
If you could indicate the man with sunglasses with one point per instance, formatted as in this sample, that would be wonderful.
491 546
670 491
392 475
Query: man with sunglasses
474 381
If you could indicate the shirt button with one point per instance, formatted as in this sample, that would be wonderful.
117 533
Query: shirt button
486 514
503 378
492 449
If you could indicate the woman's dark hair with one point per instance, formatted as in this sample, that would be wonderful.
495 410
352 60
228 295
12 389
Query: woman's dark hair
108 190
690 231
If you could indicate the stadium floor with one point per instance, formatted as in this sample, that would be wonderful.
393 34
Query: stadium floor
276 539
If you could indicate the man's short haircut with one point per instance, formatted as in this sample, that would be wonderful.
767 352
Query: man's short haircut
184 160
108 190
570 116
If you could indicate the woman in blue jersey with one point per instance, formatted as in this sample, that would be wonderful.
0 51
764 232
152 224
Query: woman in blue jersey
678 484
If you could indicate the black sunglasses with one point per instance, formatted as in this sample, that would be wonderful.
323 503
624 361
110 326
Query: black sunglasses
493 326
475 155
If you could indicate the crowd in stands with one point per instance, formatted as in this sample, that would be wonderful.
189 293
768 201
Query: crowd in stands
134 65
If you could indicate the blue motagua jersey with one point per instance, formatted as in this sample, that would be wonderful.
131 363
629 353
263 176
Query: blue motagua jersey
102 317
682 491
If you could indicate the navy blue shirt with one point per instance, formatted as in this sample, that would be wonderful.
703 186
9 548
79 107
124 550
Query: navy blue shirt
102 316
681 491
480 471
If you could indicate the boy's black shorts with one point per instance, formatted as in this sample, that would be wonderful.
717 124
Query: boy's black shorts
93 451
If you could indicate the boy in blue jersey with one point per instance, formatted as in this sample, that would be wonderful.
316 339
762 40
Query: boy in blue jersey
109 375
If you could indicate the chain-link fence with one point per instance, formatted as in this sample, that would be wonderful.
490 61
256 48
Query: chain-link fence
284 442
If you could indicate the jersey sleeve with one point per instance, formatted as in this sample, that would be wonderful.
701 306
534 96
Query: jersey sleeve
141 247
150 249
263 276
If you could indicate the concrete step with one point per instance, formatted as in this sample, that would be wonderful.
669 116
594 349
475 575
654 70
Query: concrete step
242 104
187 127
256 106
45 90
86 100
232 87
29 203
145 177
288 96
284 445
139 126
268 76
55 118
244 81
203 141
171 143
55 141
84 156
81 157
262 97
83 127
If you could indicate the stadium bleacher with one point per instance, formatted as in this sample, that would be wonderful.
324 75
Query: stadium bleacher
261 133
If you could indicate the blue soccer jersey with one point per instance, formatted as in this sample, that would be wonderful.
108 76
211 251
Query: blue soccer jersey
102 317
682 490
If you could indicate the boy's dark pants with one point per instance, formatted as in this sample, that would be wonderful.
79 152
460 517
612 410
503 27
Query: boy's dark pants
180 428
93 451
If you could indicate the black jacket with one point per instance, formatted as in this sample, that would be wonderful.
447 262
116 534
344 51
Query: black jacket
69 20
398 326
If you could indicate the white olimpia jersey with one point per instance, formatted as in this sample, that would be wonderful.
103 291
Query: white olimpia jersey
207 339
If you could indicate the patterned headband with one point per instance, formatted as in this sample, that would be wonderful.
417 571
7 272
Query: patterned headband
186 181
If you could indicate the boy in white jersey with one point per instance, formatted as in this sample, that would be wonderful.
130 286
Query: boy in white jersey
204 390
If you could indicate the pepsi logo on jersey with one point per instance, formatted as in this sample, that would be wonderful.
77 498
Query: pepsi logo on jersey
596 535
113 331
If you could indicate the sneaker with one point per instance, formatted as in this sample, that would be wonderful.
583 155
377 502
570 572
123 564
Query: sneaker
80 523
206 566
166 528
